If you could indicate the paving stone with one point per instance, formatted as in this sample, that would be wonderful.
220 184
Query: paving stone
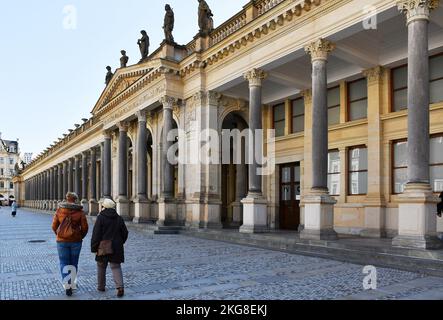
162 267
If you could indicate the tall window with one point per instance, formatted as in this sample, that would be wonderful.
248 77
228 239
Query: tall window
11 185
400 164
399 88
358 99
334 172
436 78
334 105
2 184
279 120
298 115
436 163
358 171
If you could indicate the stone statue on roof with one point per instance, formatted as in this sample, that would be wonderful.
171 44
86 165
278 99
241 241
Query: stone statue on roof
205 20
124 59
168 25
109 75
143 44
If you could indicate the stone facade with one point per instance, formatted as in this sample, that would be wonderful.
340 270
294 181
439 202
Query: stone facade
268 54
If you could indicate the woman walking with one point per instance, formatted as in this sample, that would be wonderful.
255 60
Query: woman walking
440 205
14 209
71 227
109 236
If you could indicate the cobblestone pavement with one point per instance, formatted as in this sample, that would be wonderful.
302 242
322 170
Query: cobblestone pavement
180 267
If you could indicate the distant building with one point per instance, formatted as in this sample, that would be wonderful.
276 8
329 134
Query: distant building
27 157
9 156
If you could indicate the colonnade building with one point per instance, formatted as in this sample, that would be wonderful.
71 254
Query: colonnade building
353 89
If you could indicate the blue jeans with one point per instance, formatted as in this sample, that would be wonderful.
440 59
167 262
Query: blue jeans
69 254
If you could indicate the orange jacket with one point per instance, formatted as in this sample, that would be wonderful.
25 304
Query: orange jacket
78 219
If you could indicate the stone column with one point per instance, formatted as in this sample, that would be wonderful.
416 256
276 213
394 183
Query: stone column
107 166
84 178
319 206
417 217
141 202
71 175
122 201
102 168
77 176
65 179
167 205
60 183
51 188
255 211
93 204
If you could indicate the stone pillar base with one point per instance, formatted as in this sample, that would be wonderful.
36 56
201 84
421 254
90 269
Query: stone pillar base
319 217
255 215
85 206
237 214
167 212
211 215
417 219
374 221
141 211
93 208
123 208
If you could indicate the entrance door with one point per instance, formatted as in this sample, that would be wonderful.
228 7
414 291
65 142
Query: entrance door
290 196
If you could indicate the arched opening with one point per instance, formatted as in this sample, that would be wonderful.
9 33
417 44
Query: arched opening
234 176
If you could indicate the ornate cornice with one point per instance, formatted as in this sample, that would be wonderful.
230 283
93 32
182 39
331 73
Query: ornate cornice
417 9
319 50
255 77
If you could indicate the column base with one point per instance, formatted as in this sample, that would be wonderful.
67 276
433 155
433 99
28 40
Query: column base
319 216
123 208
255 215
93 208
85 205
417 225
141 211
167 212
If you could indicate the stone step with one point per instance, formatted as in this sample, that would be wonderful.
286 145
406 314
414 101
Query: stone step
421 261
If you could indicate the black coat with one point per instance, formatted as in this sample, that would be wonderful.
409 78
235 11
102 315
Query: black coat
110 226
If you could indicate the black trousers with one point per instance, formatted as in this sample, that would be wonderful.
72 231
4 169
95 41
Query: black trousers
440 207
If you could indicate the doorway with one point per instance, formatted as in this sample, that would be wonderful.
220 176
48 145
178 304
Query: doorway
290 196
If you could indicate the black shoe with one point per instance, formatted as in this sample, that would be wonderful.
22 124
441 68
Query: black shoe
101 289
69 292
120 292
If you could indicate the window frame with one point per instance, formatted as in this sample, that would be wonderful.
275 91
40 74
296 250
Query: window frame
440 164
335 106
291 112
348 99
273 117
392 90
335 173
393 167
349 172
437 79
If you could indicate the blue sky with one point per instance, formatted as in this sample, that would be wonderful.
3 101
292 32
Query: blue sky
51 76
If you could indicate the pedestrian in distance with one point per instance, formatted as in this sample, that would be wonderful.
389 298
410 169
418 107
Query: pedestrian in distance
108 239
440 205
71 227
14 207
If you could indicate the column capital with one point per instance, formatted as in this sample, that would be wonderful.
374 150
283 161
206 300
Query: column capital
417 9
307 95
374 74
106 134
123 126
214 97
255 77
141 116
319 50
168 102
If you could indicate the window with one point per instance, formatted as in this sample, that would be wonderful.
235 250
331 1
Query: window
11 172
400 166
2 172
334 172
11 160
334 106
357 99
436 163
358 171
279 120
399 88
436 78
11 185
298 115
2 184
